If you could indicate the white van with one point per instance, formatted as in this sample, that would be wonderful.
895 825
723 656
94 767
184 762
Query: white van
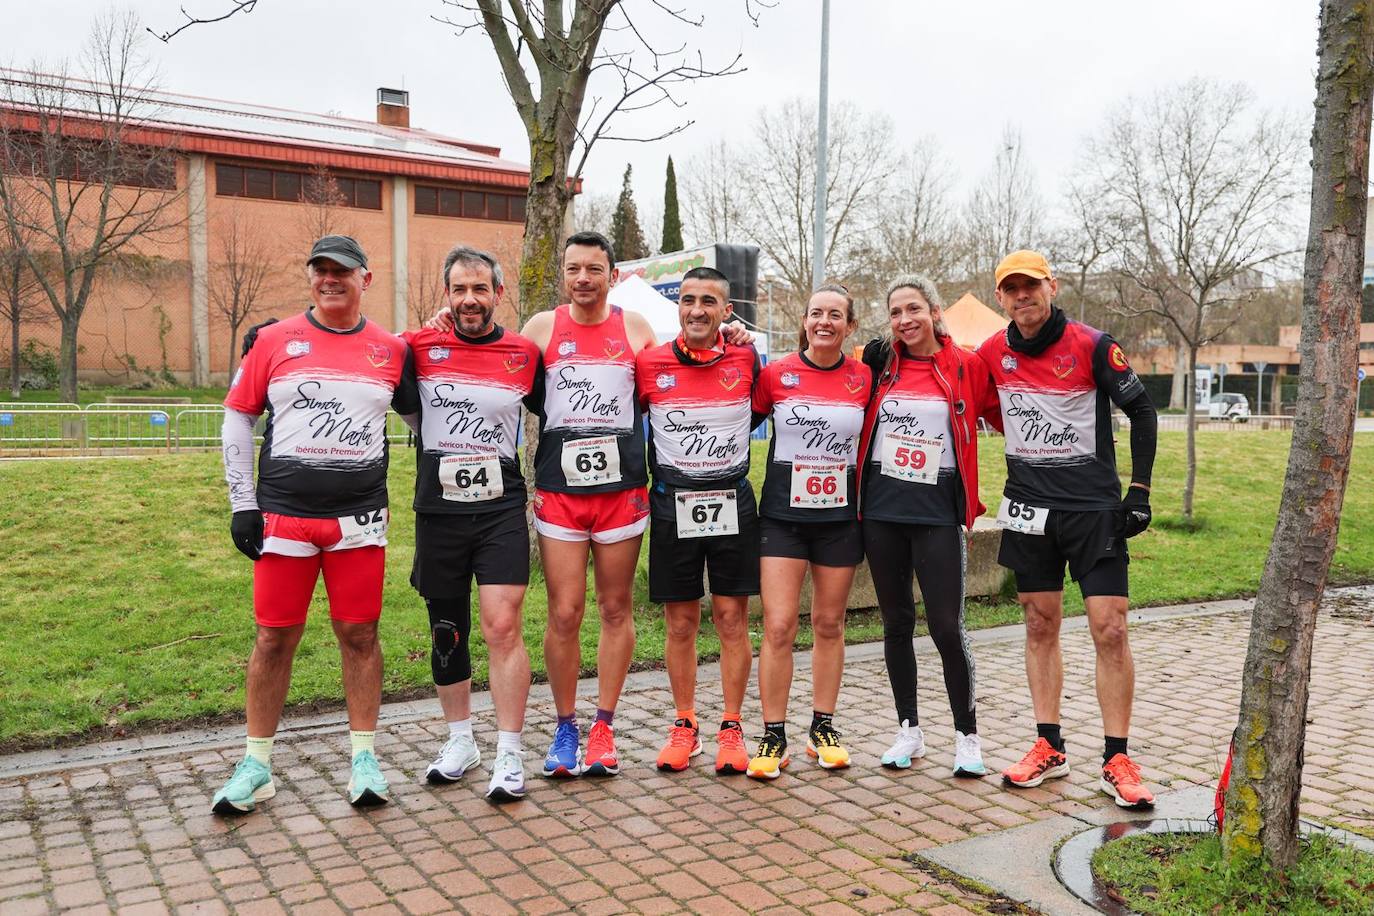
1229 406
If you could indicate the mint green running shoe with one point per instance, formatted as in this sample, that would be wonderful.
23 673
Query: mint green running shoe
367 786
250 784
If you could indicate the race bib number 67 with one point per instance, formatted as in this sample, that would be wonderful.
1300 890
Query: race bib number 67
1022 517
819 486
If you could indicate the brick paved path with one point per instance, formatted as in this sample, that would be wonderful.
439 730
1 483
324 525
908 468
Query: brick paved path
136 836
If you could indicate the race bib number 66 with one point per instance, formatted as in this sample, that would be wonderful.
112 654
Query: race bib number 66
819 486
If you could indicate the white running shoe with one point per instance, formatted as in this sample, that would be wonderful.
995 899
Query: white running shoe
909 745
507 777
456 757
968 756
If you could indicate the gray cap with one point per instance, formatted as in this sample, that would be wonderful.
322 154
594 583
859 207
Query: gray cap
342 249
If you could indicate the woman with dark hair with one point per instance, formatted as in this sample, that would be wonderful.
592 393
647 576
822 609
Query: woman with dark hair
919 496
816 400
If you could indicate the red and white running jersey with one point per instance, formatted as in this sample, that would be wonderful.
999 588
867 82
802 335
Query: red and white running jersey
589 393
914 405
1056 414
326 394
700 415
468 392
817 415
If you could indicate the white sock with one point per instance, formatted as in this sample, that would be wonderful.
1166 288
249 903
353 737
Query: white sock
508 741
260 749
461 728
362 741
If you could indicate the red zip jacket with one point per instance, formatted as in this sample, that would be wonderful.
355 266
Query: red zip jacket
967 386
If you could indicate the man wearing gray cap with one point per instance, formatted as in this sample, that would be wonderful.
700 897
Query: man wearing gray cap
325 379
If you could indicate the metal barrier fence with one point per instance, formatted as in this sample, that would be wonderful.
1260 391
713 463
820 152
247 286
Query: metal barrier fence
66 430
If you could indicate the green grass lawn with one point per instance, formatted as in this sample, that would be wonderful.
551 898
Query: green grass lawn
97 394
124 603
1184 873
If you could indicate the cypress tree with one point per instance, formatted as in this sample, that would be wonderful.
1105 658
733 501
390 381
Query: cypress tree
672 220
626 235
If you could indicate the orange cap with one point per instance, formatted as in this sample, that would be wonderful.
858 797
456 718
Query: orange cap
1025 261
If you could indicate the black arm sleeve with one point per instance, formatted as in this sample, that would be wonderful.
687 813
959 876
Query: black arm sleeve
534 401
406 399
1144 435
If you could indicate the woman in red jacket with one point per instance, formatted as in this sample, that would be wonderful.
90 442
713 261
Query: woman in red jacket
918 494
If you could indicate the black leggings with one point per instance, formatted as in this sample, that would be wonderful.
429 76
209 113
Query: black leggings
450 622
936 554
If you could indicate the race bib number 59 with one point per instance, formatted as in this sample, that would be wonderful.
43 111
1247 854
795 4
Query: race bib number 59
1022 517
911 458
591 462
819 486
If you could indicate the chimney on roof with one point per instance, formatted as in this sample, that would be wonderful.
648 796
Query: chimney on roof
393 107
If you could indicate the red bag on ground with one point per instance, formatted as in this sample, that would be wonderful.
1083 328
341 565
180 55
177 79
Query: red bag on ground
1219 800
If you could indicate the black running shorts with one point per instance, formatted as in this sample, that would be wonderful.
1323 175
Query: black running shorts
451 549
1087 541
823 543
676 563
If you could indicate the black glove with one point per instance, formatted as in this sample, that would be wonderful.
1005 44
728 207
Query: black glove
251 337
1135 512
246 530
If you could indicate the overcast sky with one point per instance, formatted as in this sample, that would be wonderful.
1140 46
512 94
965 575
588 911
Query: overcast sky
957 70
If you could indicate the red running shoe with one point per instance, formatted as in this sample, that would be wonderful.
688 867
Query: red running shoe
683 744
600 758
731 756
1042 763
1121 780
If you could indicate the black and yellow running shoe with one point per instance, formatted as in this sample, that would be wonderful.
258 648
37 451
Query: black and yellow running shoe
771 758
823 743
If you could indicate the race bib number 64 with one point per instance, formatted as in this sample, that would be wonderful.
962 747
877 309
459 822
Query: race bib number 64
471 478
819 486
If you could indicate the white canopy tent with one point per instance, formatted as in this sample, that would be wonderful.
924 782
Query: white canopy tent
634 294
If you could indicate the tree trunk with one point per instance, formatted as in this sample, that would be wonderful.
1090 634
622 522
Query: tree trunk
15 387
544 208
1190 482
1262 802
66 357
1182 388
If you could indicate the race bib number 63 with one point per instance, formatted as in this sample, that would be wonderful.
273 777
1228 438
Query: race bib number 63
591 462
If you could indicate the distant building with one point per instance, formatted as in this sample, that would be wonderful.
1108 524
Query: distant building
406 193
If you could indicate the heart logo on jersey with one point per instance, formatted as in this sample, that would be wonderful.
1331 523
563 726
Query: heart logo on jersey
517 361
614 348
378 355
1064 365
729 377
853 382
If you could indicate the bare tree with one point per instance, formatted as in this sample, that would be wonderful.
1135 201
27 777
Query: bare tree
1198 195
323 213
20 299
1004 212
74 176
241 275
918 228
713 201
593 211
1261 820
780 181
426 294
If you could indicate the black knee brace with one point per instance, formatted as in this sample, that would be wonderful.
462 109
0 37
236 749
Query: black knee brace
449 625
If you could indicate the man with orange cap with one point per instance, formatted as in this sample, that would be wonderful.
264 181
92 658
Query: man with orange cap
1056 381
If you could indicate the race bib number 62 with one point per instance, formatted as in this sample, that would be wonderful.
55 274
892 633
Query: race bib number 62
366 529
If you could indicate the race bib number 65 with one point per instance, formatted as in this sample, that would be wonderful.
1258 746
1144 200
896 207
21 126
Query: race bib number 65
591 462
1022 517
819 486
